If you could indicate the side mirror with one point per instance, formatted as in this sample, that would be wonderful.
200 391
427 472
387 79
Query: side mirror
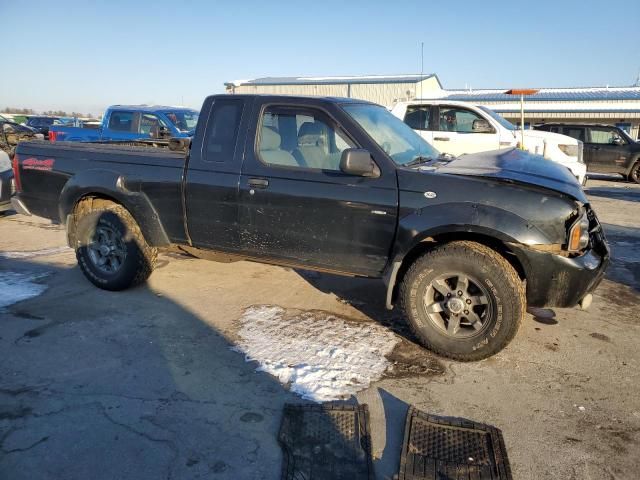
617 141
163 132
481 126
356 161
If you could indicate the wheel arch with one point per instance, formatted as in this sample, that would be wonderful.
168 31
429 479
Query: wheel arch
110 186
403 262
634 161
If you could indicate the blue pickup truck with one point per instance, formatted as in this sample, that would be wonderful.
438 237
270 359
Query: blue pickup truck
132 122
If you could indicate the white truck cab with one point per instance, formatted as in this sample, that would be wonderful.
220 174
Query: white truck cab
457 128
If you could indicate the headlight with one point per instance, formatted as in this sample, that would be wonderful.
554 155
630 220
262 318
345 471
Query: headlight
579 234
569 150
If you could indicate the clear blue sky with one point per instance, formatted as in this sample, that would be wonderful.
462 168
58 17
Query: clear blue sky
86 55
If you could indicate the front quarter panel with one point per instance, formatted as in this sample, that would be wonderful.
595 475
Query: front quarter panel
433 204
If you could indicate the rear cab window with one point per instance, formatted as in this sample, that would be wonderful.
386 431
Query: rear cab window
222 130
418 117
121 121
574 132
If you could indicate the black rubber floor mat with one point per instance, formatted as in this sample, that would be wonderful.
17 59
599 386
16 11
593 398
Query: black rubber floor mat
451 449
326 442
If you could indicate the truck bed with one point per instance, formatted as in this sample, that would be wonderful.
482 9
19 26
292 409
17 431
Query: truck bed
46 169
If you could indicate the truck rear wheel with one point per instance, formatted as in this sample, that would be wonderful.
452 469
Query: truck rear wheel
110 248
463 300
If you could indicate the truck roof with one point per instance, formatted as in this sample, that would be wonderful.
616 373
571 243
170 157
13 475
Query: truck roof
149 108
302 97
578 124
436 101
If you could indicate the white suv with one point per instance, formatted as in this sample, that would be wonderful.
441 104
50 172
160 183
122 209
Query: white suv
459 127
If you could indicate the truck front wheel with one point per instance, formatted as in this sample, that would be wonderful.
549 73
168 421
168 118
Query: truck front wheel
463 300
634 174
110 248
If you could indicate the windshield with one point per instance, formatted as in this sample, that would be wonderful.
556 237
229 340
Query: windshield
183 120
394 136
501 120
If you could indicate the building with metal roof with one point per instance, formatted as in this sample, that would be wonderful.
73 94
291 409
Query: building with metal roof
612 105
382 89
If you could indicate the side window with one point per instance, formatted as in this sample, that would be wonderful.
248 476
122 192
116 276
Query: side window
297 138
417 116
554 129
454 119
150 125
222 130
575 132
604 136
121 121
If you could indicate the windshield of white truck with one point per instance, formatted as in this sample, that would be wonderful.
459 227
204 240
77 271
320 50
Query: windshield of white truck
184 120
501 120
394 136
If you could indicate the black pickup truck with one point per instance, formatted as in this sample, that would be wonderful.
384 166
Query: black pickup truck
333 185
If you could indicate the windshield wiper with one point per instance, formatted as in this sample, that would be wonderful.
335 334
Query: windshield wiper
418 160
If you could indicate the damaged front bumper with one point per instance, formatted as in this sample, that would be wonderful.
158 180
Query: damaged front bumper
557 280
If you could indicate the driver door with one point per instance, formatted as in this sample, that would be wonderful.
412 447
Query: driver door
455 132
296 205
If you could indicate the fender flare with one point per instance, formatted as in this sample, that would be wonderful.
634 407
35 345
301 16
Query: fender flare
112 185
634 160
470 219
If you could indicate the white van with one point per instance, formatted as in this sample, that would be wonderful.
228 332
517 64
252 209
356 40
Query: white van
459 127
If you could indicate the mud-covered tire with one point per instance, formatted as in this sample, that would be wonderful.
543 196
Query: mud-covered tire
634 174
499 285
137 260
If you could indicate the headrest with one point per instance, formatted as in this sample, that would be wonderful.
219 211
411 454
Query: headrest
269 139
311 133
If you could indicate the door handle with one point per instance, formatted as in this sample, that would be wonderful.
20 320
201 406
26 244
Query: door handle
441 139
258 182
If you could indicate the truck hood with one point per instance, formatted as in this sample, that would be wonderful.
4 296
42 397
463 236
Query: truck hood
517 166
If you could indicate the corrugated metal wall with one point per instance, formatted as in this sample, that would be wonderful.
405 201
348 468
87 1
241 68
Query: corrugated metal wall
383 93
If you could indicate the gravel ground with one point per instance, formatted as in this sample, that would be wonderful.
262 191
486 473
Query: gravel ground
153 382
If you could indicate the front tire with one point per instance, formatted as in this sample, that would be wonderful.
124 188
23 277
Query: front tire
110 248
463 300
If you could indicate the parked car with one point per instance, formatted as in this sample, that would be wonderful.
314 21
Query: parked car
41 124
132 122
6 182
459 128
608 149
337 185
11 133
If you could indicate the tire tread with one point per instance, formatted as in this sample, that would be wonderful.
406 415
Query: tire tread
463 248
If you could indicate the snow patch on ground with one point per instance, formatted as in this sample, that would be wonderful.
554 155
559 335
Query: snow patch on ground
35 253
16 287
318 355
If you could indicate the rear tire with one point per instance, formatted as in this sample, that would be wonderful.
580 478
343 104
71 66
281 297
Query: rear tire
463 300
110 248
634 174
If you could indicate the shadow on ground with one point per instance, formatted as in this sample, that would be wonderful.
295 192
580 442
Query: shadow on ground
131 385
